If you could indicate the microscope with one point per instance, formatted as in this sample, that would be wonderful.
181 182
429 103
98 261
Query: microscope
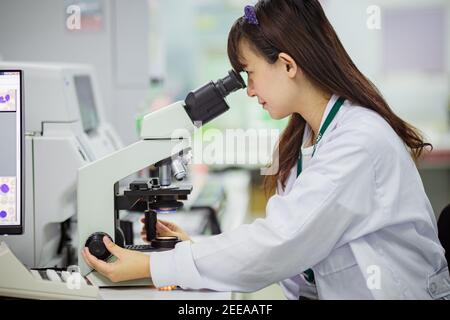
164 144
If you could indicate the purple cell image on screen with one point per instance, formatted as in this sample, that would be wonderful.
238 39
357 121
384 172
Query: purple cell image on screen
4 188
5 99
3 214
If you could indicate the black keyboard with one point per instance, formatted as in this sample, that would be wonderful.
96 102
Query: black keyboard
139 247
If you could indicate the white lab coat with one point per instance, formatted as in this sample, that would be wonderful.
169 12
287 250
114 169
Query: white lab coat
357 215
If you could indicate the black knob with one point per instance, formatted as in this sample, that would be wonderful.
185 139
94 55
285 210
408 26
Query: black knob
96 246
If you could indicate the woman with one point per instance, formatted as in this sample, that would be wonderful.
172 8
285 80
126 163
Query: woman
350 219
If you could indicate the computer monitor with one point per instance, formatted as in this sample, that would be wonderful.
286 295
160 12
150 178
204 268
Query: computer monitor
11 154
86 102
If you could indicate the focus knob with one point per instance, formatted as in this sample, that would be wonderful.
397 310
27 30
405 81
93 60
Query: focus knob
96 246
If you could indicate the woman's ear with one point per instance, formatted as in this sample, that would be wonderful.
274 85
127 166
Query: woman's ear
289 64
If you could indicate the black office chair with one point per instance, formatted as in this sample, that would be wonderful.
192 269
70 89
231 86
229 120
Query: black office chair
444 231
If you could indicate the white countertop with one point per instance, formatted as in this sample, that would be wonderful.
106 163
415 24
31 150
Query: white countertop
151 293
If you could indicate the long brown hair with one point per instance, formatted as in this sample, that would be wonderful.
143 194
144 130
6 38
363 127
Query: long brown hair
301 29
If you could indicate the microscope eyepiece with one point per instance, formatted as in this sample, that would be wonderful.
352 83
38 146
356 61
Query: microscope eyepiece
207 102
230 83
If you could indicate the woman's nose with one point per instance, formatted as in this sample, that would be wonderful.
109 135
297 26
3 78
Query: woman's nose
250 91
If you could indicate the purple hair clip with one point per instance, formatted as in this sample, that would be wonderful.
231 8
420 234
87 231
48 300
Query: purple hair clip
250 15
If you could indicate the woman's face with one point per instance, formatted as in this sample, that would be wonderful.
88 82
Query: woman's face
270 83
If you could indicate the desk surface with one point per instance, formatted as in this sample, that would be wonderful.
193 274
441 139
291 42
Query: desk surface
151 293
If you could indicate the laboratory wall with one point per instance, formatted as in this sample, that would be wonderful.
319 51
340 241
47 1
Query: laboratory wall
407 56
148 53
113 37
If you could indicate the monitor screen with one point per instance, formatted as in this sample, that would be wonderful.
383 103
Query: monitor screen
11 155
86 102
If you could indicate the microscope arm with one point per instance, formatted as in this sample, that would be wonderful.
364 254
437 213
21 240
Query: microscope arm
95 194
165 133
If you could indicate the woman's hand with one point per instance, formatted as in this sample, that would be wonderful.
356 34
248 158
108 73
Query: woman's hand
130 265
165 229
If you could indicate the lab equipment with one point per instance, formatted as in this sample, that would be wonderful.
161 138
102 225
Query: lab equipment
19 282
165 143
11 146
65 128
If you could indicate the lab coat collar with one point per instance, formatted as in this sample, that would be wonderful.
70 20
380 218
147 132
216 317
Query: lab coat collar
328 108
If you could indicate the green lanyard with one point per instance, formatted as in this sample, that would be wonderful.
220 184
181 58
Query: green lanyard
309 274
322 130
